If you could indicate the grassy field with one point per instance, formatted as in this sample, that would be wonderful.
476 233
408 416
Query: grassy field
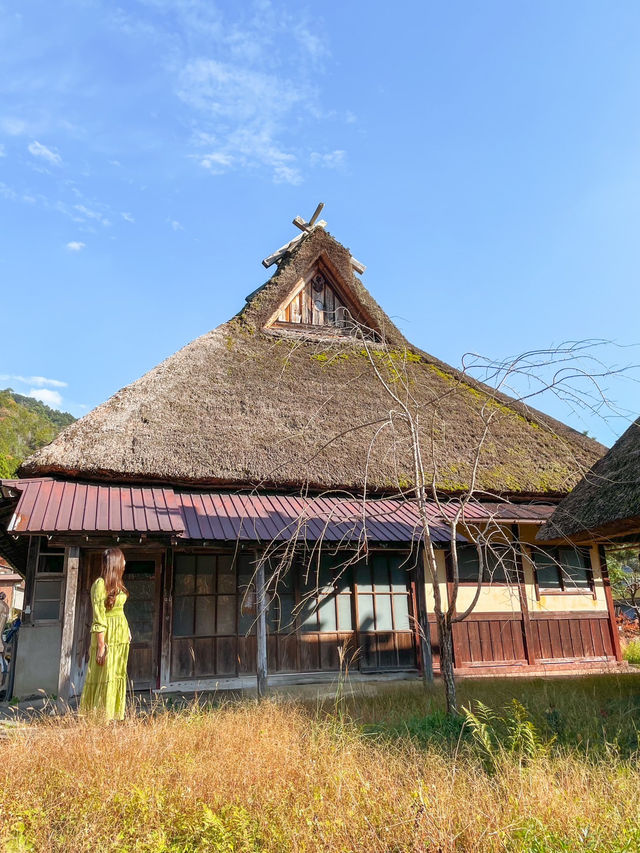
558 771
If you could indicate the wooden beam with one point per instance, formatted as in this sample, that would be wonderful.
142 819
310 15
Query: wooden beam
282 250
358 267
166 619
71 565
301 224
316 214
261 629
613 625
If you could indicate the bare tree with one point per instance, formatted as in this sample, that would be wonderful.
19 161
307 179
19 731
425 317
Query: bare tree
571 372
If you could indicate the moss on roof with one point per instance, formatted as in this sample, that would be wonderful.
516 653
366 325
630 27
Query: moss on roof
248 405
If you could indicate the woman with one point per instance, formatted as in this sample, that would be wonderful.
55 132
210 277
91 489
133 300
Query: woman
105 688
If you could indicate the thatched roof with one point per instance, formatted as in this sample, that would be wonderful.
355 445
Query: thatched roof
250 405
606 502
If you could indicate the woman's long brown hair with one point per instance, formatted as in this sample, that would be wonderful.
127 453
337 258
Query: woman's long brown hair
113 564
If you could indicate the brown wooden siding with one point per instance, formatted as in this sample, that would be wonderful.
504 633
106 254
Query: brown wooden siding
571 636
489 638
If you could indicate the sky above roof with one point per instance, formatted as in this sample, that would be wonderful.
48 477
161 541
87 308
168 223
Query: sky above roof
481 159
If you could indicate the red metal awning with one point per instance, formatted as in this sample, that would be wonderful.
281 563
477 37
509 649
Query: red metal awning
48 506
267 518
54 506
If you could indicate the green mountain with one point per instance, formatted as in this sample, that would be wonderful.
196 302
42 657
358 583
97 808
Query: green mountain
25 425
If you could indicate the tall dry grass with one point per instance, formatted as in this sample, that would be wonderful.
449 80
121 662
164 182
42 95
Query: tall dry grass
284 777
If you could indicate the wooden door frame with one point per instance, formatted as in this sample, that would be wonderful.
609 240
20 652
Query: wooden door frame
141 554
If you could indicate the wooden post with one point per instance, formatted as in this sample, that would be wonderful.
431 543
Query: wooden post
424 633
72 565
166 619
522 592
613 625
458 656
261 629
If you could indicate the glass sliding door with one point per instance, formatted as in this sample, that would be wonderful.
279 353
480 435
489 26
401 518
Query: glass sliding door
385 634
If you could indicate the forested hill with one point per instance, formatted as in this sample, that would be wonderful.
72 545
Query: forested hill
25 425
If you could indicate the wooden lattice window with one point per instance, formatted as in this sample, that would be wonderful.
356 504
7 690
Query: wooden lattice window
317 303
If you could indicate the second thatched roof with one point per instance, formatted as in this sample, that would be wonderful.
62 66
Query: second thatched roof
249 404
606 502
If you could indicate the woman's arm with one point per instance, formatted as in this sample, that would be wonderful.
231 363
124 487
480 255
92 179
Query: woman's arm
99 625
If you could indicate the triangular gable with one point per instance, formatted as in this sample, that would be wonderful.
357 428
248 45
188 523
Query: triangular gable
273 308
317 302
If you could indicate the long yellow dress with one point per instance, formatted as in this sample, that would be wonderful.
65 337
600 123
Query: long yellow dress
105 688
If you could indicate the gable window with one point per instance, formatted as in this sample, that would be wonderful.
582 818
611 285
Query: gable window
317 303
563 569
499 565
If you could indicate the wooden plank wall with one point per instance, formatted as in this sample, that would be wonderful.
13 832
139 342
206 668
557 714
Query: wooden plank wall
570 636
304 307
493 638
489 638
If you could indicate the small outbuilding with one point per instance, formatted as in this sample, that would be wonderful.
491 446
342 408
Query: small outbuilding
605 504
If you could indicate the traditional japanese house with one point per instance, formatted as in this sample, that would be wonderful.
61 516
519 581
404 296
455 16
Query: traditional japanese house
12 584
264 434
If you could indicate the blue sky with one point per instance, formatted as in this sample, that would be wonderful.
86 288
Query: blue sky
482 159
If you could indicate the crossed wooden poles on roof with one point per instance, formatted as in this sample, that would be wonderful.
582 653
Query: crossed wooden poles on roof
306 228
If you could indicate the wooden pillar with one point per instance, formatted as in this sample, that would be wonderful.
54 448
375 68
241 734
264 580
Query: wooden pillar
613 625
71 565
424 633
522 592
166 619
458 655
261 629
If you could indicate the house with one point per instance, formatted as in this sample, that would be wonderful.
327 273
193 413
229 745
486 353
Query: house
256 443
12 584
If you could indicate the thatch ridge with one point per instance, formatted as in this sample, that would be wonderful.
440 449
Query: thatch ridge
244 406
606 502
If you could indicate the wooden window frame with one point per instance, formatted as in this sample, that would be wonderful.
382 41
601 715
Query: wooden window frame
564 589
518 571
298 594
43 553
237 594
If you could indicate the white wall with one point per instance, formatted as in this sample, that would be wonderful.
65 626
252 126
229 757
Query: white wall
38 660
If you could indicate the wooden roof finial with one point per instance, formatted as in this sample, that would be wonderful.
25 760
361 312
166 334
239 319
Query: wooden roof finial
306 228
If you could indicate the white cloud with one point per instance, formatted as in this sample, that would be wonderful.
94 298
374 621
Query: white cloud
87 213
175 225
248 110
12 126
249 75
76 246
7 192
33 380
3 152
216 161
311 43
51 398
37 149
331 160
127 217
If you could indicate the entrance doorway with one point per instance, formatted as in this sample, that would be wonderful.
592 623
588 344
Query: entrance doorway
142 579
